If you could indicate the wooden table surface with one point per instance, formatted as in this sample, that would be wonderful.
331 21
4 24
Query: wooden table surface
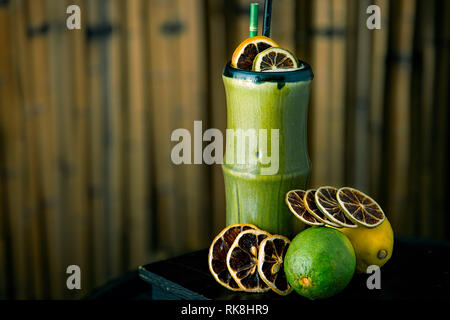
417 270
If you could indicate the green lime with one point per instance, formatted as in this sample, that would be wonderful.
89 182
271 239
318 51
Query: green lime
320 262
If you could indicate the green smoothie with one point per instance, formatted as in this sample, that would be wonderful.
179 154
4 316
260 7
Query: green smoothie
266 153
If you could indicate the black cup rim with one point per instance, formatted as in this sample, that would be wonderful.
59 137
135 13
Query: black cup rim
304 74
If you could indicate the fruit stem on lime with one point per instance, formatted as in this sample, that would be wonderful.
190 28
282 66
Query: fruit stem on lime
305 281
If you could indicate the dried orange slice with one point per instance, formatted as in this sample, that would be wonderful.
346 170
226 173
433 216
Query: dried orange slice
242 261
246 52
271 263
360 208
294 200
327 203
310 205
218 254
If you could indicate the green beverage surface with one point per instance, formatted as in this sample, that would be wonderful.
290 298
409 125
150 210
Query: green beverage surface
252 195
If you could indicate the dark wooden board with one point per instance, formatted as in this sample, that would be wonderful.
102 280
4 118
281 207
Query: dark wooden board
417 270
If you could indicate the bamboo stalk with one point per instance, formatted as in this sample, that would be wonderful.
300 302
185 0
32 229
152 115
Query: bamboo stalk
47 145
5 59
336 108
31 221
440 122
426 113
97 26
136 103
422 81
60 84
163 86
116 141
398 112
24 230
362 106
217 110
378 78
350 89
78 48
320 93
192 91
13 151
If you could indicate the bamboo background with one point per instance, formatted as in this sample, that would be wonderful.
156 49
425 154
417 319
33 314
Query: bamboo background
86 118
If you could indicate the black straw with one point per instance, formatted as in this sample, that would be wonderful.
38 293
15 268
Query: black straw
267 16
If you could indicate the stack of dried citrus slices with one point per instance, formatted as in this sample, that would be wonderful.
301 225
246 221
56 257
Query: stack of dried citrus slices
243 257
341 208
262 54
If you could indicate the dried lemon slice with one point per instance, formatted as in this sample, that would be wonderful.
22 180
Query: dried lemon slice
275 60
218 254
310 205
360 208
271 263
327 203
242 261
294 200
246 52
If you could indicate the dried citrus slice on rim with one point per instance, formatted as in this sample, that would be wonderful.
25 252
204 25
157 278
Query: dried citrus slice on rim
294 200
271 263
242 261
360 208
218 254
310 205
275 60
246 52
327 203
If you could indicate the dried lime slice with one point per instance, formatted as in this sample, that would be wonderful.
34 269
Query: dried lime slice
327 203
360 208
275 59
218 254
310 205
271 263
294 200
242 261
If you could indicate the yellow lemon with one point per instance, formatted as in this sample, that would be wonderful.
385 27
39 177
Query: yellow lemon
373 246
